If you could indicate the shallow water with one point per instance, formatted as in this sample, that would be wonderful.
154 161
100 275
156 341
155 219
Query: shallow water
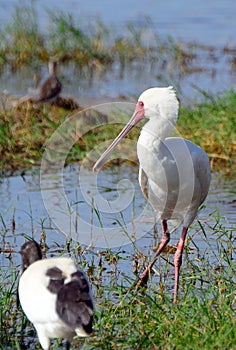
125 216
21 198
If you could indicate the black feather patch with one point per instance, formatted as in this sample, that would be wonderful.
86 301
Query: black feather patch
30 252
80 277
56 279
74 304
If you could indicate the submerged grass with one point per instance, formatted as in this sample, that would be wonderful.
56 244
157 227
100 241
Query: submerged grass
144 319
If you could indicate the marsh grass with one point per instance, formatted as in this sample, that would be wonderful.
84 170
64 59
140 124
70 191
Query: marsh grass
92 45
22 39
25 130
212 126
147 318
12 323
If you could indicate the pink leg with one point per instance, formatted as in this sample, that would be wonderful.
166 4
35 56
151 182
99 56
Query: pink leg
143 279
178 260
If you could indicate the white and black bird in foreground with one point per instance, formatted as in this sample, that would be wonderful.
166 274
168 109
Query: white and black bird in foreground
55 296
174 173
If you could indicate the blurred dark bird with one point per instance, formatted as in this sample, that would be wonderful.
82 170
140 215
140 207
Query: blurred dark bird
48 92
51 88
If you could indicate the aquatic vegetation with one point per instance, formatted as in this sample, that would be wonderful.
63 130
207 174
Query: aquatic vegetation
22 38
96 48
25 130
212 125
130 319
93 46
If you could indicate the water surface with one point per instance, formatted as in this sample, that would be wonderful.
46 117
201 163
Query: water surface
208 23
21 199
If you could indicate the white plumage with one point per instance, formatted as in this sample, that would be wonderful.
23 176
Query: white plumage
55 296
174 173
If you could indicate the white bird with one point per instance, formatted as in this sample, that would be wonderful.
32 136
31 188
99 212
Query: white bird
174 173
55 296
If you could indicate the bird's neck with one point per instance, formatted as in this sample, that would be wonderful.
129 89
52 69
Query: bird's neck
155 131
52 71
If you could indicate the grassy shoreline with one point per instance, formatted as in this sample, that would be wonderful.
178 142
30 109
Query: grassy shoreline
25 130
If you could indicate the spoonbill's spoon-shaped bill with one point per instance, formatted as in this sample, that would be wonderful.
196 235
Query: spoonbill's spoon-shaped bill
134 120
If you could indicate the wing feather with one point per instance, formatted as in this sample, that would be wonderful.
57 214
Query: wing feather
74 303
143 181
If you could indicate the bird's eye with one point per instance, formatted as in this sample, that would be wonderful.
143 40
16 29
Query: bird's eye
141 104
